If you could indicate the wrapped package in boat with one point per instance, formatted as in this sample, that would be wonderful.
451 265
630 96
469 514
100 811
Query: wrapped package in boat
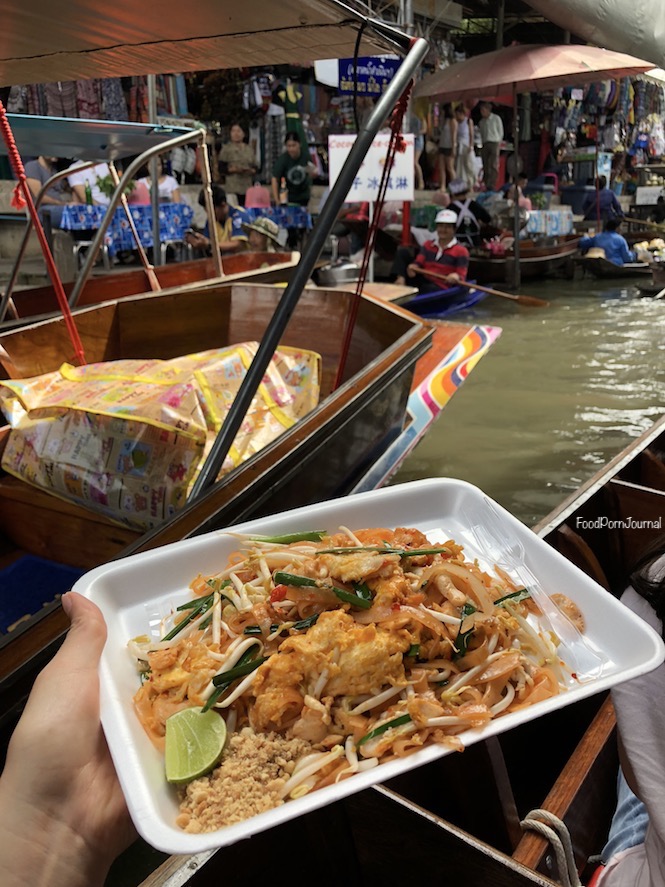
127 437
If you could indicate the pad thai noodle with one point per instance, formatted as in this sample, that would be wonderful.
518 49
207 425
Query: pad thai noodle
347 649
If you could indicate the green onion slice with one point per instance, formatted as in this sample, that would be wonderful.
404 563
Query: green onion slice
377 731
357 599
288 538
402 552
515 596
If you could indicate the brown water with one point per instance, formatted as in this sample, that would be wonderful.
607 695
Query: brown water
562 391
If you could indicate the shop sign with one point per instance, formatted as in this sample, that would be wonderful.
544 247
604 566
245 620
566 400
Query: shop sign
372 73
368 178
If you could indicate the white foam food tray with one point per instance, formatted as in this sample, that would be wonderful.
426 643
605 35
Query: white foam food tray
130 589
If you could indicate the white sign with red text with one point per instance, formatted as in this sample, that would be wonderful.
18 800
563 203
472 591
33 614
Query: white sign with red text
365 185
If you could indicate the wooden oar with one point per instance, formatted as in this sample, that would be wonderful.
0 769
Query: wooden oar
523 300
646 223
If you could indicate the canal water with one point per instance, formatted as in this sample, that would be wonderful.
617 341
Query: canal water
561 392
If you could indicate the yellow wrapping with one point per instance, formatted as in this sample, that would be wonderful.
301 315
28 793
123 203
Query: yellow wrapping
127 437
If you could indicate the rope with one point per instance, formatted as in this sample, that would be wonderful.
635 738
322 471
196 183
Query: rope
22 197
554 830
395 144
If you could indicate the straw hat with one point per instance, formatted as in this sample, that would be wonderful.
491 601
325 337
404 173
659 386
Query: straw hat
264 226
595 253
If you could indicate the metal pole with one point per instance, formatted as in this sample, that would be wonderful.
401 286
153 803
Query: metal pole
500 22
26 234
517 276
315 242
154 176
98 239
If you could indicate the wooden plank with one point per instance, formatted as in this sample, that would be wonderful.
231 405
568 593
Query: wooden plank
582 796
53 528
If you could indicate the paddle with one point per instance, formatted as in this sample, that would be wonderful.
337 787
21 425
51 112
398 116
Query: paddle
646 223
532 301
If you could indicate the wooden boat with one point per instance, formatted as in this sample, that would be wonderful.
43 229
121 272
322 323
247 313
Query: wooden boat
603 269
324 455
547 258
444 303
257 267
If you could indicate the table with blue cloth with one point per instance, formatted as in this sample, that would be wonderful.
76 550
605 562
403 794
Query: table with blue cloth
289 216
174 220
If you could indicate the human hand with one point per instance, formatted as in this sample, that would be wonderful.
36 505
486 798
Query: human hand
453 278
412 270
196 239
63 817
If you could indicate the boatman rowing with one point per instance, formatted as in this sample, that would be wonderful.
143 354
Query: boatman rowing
443 256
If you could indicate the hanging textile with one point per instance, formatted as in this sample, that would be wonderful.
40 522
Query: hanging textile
17 101
290 97
275 133
61 98
89 99
114 104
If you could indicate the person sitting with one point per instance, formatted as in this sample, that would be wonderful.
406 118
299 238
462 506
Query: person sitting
602 203
90 176
470 214
262 235
168 189
37 174
443 255
613 243
518 188
228 220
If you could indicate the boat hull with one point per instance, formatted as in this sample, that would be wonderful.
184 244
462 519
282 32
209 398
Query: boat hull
320 457
536 262
259 267
444 303
603 269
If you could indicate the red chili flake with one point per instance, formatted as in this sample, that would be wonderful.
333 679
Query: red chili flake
395 606
278 593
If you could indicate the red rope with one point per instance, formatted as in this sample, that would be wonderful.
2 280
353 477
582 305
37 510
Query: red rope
22 197
395 144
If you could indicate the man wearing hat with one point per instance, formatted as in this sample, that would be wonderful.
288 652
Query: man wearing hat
443 255
470 214
262 234
609 244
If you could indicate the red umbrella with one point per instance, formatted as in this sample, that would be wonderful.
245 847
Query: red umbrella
528 68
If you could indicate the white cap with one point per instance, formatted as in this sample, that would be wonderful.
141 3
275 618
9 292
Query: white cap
446 217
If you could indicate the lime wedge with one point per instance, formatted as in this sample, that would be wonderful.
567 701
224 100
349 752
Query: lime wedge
194 744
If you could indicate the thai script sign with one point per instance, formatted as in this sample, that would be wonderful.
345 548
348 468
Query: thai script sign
373 74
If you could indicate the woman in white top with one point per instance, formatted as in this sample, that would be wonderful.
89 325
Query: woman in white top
168 187
464 159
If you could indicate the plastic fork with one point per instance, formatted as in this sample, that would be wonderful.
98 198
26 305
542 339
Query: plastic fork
507 552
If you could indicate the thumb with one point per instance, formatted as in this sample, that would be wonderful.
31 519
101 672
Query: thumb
87 633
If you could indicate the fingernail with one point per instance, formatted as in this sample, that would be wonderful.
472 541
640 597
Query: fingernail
66 601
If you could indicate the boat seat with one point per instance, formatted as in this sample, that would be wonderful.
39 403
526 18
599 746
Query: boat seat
180 248
84 245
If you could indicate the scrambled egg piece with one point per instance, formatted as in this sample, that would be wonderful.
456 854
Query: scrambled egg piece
358 659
